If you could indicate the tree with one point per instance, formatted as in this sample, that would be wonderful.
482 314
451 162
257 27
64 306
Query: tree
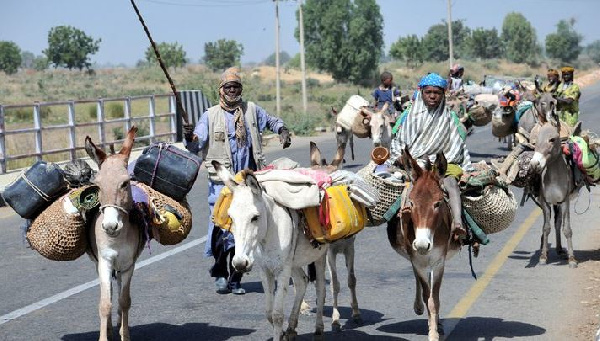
564 44
172 54
436 45
485 43
519 39
40 63
343 37
10 57
27 60
593 50
69 47
408 49
222 54
284 57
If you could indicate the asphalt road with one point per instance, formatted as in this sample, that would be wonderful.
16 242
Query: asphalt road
173 296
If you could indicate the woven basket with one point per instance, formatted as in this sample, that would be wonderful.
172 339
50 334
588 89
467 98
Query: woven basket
494 210
163 234
388 192
524 177
58 235
479 115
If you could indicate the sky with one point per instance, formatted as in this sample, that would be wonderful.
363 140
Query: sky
192 23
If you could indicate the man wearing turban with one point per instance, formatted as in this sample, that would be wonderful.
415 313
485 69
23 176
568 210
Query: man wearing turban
429 128
230 133
567 98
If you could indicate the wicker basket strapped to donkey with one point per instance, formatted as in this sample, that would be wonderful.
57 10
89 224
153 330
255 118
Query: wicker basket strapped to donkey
388 190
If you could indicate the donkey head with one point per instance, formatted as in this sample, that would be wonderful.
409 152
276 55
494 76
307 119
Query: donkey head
113 180
381 132
248 214
428 211
545 105
317 162
547 146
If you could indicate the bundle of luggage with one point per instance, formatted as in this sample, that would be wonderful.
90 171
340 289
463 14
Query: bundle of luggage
60 204
331 205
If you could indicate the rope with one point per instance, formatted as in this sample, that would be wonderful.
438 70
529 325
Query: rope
162 64
577 200
41 193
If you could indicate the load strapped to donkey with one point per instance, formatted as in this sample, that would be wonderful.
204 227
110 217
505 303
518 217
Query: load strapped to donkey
60 203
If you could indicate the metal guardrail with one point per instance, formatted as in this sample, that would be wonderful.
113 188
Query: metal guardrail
100 122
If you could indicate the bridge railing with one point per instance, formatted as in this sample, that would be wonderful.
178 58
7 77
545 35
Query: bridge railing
55 131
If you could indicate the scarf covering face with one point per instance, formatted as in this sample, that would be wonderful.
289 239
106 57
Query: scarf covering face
426 132
229 103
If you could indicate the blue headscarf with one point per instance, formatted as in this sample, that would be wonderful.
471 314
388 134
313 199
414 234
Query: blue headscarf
433 79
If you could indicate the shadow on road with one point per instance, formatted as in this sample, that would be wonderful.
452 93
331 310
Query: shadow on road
489 328
163 331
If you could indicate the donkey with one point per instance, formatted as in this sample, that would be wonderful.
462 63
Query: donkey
422 234
115 242
342 246
377 125
556 184
269 233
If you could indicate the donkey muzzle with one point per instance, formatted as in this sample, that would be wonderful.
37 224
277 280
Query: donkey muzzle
423 241
241 263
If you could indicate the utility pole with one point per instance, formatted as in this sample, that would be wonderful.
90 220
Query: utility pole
278 93
451 52
302 61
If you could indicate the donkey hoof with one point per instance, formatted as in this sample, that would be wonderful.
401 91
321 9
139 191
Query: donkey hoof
358 320
543 260
562 253
418 309
318 336
572 263
290 335
336 327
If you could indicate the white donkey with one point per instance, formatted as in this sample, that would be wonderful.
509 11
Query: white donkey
342 246
269 234
378 124
115 243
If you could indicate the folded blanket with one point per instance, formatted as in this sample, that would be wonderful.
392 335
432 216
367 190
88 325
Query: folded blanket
359 190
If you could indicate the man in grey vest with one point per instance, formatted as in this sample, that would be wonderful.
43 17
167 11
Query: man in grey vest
230 133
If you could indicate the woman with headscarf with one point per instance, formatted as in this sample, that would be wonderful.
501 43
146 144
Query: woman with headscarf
430 128
229 133
567 98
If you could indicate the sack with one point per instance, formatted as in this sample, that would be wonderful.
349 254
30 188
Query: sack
478 178
524 176
35 189
220 216
589 160
479 115
59 233
338 216
171 220
503 125
167 169
493 209
78 173
361 129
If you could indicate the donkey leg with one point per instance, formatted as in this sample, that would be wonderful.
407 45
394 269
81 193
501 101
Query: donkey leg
105 306
283 280
268 283
566 214
320 286
349 255
433 303
419 298
546 211
558 223
300 282
335 289
125 303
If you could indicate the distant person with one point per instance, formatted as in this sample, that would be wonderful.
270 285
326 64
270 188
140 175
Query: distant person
553 81
387 92
455 83
567 97
229 132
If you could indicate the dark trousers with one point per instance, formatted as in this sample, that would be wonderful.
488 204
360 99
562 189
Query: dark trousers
223 258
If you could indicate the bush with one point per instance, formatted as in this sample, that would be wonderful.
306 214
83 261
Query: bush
114 110
300 123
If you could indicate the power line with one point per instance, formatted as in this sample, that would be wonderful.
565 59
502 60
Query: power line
210 3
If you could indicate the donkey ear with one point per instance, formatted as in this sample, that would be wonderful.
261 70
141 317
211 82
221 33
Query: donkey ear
253 184
128 143
315 154
339 157
224 174
577 130
95 153
411 165
441 164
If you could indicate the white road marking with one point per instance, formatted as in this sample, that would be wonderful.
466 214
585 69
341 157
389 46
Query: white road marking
76 290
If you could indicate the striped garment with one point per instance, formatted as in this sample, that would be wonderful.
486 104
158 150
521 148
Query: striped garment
428 132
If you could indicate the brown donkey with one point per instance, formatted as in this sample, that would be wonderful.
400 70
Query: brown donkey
115 242
422 234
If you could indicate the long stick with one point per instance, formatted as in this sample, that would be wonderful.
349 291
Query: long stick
162 65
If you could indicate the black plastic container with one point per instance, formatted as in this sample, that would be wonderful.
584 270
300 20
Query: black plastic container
34 190
167 169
